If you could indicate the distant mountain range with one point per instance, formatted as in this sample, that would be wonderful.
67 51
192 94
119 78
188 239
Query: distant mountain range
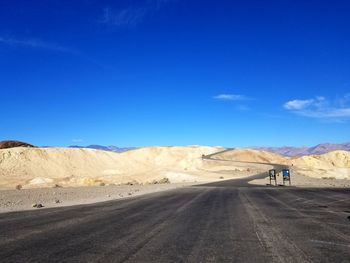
285 150
110 148
300 151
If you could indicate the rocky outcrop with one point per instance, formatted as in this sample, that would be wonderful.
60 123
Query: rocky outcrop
13 144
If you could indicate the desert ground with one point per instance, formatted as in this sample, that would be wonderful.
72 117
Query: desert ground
56 177
221 221
172 204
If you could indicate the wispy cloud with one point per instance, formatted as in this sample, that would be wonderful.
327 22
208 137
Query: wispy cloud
231 97
35 43
297 104
131 15
321 108
344 100
128 16
77 140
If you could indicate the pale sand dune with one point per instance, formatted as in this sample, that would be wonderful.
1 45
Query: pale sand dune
251 155
333 164
45 167
327 170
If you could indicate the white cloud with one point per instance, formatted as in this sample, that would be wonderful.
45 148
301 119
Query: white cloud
331 113
35 43
297 104
77 140
231 97
321 108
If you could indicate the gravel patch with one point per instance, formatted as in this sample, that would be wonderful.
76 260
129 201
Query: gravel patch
41 198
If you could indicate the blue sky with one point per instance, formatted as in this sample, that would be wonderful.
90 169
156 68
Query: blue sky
175 72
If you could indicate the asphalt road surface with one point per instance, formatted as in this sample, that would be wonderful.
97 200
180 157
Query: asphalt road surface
228 221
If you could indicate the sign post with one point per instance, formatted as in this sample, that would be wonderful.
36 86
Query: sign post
286 176
272 175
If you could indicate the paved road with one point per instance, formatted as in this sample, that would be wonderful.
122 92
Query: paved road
221 222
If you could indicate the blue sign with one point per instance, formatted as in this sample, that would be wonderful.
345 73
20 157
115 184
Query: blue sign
286 176
285 173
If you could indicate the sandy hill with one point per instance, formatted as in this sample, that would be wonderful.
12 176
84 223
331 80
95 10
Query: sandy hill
39 167
333 164
251 155
47 167
339 159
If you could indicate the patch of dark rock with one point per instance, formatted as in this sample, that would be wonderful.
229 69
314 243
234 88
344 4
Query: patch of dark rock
12 144
37 205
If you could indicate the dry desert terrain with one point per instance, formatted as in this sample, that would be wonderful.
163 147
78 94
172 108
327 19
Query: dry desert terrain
68 176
